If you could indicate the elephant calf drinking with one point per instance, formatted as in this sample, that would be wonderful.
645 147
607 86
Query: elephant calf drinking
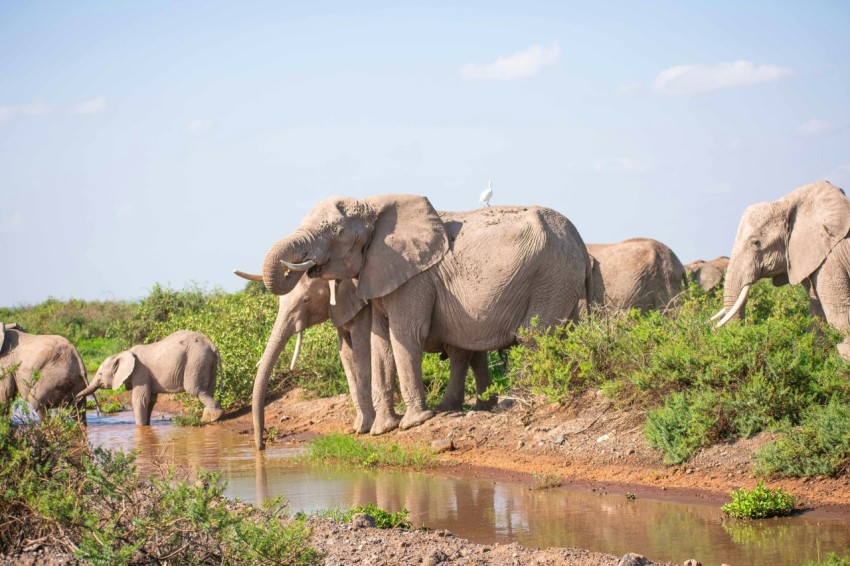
182 361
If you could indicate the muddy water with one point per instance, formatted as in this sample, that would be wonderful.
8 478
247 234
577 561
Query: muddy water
482 511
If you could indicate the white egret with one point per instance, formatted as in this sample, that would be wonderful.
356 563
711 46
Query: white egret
486 195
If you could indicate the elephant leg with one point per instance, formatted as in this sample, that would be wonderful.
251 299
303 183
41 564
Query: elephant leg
383 374
407 351
150 407
205 388
453 397
483 381
79 408
212 410
8 391
833 291
141 401
360 332
346 356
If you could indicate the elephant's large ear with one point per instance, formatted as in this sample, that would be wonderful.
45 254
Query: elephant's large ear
408 238
819 219
348 304
124 364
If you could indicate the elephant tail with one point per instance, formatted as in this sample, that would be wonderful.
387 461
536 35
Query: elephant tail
588 286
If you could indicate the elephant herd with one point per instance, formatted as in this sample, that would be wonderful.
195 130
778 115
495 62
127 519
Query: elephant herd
398 278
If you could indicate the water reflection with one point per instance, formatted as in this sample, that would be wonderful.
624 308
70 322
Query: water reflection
484 511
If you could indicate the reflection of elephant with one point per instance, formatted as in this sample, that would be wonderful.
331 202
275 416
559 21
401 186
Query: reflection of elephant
639 273
468 280
308 304
46 371
800 238
707 274
182 361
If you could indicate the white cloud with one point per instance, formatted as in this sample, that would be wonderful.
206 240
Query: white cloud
816 127
692 79
197 128
31 109
524 63
93 106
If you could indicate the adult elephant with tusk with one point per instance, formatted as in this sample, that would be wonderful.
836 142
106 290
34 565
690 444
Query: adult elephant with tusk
800 238
314 301
466 280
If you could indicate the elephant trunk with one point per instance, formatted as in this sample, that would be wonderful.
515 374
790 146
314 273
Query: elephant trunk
735 292
92 387
293 249
281 333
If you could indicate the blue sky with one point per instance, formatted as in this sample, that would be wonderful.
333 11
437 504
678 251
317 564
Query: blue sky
174 141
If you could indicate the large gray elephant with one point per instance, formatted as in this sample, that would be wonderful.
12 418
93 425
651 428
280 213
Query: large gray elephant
800 238
182 361
707 274
468 280
310 303
639 273
45 370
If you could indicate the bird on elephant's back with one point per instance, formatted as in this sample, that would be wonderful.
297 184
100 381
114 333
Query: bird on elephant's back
467 280
802 238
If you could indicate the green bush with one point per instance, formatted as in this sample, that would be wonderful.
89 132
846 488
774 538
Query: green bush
832 559
54 488
697 385
759 503
819 446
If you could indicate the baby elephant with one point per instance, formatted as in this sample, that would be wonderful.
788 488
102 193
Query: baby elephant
183 361
46 371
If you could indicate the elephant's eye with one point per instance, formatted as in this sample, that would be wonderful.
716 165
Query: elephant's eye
757 244
306 299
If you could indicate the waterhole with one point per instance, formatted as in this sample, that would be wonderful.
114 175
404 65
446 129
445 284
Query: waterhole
478 510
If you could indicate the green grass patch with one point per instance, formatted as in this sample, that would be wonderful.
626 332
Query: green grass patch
832 559
383 519
351 451
759 503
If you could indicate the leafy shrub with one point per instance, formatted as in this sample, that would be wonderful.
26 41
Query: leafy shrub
697 385
348 450
759 503
54 488
832 559
819 446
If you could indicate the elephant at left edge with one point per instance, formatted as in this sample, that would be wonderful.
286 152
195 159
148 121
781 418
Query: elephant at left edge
45 370
468 280
182 361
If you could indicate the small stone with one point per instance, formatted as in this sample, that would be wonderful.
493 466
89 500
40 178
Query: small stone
436 557
603 438
362 521
520 444
689 471
693 562
631 451
442 445
632 559
558 439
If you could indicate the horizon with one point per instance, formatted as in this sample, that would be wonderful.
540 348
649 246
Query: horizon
170 144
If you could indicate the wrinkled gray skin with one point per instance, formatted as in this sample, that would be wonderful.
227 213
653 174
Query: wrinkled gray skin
707 274
46 371
802 239
308 304
470 282
639 273
182 361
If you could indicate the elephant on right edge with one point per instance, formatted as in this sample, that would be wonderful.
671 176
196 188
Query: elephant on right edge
639 273
310 303
707 274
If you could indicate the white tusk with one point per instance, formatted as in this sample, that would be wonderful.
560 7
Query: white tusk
299 266
332 283
248 276
297 351
736 307
720 313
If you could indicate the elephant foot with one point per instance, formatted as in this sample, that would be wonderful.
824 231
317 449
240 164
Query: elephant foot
447 405
413 418
363 423
211 415
384 424
844 351
482 405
